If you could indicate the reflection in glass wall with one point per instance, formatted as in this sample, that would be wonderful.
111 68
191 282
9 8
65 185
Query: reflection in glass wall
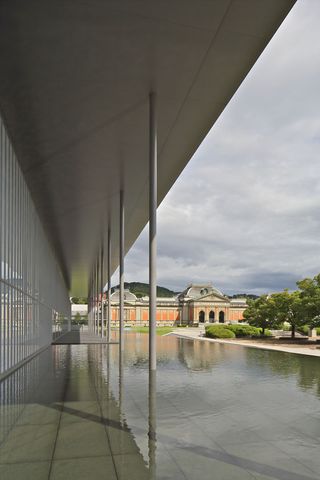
33 298
26 396
14 392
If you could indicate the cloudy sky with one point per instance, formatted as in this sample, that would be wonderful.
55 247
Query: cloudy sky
245 213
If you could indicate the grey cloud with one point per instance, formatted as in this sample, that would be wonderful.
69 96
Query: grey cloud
245 213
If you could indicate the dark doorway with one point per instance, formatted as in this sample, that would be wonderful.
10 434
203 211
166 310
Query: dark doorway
211 316
221 317
201 316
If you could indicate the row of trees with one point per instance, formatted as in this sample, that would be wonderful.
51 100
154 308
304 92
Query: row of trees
298 308
79 300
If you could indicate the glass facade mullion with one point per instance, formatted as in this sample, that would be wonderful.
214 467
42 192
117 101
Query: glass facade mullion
31 284
2 293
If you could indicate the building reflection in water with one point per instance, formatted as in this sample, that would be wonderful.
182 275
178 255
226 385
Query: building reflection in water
193 355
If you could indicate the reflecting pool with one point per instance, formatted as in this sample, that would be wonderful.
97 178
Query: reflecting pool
214 412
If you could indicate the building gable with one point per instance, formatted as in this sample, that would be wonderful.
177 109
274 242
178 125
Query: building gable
213 298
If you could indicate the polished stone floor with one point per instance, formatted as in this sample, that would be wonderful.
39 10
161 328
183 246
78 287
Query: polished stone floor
215 412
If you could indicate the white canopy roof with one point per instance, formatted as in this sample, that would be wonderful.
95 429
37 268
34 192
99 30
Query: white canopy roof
74 85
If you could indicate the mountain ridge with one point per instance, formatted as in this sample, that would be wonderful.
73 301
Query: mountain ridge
140 289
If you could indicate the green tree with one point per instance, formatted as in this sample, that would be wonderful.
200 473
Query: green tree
315 322
79 300
262 313
310 296
290 308
77 319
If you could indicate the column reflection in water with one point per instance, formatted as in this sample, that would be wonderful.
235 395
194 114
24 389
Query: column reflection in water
123 424
133 445
152 424
149 473
121 354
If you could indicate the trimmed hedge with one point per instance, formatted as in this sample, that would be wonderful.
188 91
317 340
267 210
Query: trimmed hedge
244 330
235 330
218 331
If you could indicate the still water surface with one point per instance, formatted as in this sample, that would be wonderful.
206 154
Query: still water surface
216 412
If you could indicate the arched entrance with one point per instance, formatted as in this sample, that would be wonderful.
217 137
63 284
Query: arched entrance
201 316
221 317
211 316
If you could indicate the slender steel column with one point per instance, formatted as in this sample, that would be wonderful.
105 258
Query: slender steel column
97 298
90 299
98 295
153 157
121 272
101 289
94 299
153 193
89 307
109 285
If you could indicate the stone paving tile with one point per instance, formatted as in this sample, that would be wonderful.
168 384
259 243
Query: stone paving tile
266 459
36 414
195 466
25 471
29 443
80 411
81 439
83 469
131 467
121 442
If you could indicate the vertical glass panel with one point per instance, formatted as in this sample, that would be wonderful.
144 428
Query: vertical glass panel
31 284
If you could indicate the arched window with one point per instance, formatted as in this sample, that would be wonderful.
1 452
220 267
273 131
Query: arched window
201 316
211 316
221 317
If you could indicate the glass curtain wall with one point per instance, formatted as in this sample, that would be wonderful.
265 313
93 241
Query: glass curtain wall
34 302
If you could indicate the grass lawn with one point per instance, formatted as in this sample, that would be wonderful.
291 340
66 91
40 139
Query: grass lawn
160 330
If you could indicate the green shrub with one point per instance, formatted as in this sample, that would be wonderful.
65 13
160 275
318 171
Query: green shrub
244 330
236 330
304 330
267 332
219 331
285 327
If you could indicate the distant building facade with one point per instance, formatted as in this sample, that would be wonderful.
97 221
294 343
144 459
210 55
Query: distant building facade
195 305
79 309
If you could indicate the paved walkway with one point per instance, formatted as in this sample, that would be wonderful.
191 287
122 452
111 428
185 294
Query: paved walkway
68 423
83 336
195 334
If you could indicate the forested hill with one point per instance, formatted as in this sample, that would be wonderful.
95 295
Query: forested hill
142 289
244 295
